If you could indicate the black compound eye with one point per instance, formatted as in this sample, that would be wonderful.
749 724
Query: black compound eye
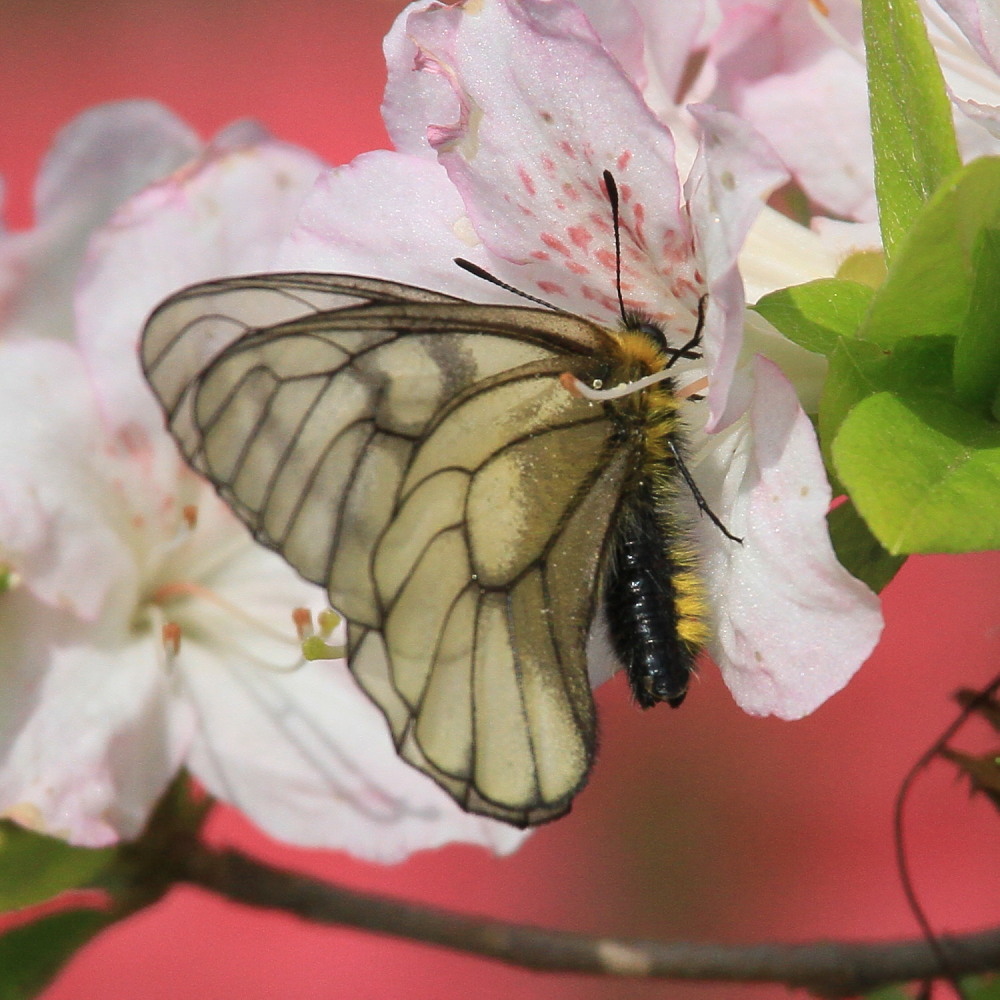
638 323
655 333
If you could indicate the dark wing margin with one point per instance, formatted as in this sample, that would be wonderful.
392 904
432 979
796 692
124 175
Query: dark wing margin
417 456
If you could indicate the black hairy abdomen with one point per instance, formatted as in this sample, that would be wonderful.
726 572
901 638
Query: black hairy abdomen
640 601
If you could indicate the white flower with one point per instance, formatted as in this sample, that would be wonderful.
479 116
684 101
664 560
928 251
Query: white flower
147 631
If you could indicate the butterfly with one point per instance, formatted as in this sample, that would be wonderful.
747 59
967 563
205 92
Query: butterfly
438 467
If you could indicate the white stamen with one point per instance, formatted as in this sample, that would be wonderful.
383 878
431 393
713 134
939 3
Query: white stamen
183 589
955 52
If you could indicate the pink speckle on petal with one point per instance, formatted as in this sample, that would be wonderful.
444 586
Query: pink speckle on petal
577 268
681 288
529 184
548 164
580 235
625 190
133 440
571 192
602 298
551 288
623 160
567 148
607 259
639 214
541 254
554 243
600 222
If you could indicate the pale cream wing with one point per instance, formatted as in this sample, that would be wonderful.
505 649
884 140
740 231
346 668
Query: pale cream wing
487 576
191 328
417 456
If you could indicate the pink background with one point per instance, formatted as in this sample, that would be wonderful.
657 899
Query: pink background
702 824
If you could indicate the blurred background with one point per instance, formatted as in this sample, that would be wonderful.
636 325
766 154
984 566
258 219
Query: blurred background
702 824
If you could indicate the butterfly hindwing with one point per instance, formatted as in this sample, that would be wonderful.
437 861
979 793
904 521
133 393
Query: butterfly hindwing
418 457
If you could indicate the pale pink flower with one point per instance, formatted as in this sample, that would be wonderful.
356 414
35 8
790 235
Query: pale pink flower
795 70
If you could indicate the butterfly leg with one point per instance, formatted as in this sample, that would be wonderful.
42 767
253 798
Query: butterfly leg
699 499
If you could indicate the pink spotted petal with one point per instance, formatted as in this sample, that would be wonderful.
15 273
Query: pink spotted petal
540 110
792 625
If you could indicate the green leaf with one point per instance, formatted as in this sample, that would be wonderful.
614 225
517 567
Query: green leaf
915 367
867 267
853 374
982 987
923 472
34 867
31 955
815 315
912 133
977 350
890 993
931 279
858 550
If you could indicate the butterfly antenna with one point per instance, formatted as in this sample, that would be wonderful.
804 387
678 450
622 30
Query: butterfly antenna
612 189
467 265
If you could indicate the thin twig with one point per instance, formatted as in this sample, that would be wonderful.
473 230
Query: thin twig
945 968
830 969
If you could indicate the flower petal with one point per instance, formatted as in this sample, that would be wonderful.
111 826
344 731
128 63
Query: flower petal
388 215
979 21
671 31
57 504
310 760
733 174
783 74
542 110
224 214
792 624
88 737
104 156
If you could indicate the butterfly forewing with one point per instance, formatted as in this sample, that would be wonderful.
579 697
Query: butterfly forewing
418 457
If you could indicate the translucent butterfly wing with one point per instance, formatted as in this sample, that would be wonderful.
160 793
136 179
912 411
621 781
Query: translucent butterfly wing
190 329
417 456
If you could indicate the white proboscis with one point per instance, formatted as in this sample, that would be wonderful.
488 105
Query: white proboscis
574 385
